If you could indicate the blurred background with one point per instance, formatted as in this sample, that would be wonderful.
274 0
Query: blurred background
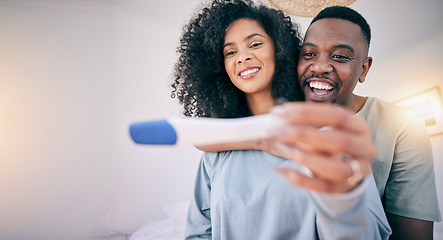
75 73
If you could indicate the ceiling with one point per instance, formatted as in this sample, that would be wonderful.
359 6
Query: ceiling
396 24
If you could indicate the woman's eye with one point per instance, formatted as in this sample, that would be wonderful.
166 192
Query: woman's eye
254 45
229 53
308 55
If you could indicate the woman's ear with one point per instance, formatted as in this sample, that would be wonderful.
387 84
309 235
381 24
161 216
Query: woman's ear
366 66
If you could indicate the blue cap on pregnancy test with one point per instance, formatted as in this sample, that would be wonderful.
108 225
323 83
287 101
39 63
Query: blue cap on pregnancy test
153 132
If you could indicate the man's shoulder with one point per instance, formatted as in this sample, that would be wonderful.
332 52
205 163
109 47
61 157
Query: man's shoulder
375 105
381 110
387 117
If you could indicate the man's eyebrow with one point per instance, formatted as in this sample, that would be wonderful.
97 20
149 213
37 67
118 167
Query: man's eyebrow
345 46
308 44
246 38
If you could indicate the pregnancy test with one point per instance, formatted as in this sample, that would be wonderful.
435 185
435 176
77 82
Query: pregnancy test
202 131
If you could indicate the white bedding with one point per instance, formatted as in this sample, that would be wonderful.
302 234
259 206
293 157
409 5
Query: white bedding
171 228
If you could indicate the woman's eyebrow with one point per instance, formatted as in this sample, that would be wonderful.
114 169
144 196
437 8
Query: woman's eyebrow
253 35
307 44
246 38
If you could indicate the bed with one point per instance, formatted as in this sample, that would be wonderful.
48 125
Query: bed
151 195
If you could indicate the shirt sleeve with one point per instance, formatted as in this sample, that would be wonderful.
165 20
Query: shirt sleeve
358 214
198 220
411 188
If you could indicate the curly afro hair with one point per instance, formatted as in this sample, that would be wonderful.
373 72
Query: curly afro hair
201 83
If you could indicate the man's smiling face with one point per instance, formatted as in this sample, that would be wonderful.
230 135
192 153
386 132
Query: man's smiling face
332 60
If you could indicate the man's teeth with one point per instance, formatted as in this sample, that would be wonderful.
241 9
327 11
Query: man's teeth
251 71
319 85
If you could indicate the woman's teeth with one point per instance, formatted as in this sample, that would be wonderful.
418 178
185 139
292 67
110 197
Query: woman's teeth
251 71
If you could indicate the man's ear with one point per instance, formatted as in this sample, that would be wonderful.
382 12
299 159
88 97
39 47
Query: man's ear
366 66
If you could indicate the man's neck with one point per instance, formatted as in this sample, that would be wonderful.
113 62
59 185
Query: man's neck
355 103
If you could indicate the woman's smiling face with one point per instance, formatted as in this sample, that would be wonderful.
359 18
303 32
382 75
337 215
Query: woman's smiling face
249 56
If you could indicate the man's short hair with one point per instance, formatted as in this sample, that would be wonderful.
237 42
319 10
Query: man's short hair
346 13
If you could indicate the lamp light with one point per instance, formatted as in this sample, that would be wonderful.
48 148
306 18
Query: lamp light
307 8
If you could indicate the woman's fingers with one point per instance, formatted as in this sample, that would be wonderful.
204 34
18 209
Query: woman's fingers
319 115
312 183
330 141
332 168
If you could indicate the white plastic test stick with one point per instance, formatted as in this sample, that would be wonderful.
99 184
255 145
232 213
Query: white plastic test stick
203 131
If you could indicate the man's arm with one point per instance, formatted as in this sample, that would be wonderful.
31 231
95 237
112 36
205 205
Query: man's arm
408 228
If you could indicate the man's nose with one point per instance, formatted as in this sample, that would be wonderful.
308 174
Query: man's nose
322 65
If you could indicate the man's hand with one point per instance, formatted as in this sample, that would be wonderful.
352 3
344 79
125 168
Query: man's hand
330 141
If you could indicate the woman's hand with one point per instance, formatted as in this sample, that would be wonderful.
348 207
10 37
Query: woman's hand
333 143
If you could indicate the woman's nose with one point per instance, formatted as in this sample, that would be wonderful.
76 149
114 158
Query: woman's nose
244 57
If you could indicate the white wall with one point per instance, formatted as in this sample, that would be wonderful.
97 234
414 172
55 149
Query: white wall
74 74
59 140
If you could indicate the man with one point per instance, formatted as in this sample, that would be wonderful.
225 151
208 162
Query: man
334 58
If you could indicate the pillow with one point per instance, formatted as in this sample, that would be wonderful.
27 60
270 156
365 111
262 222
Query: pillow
151 178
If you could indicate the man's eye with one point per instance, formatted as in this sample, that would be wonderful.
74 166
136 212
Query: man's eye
340 57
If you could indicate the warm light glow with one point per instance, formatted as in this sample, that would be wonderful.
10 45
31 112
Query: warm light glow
303 8
428 106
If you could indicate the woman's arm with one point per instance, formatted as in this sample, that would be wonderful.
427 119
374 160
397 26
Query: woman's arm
357 214
253 144
267 145
341 188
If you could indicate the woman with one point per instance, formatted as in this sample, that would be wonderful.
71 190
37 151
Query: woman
202 84
236 60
